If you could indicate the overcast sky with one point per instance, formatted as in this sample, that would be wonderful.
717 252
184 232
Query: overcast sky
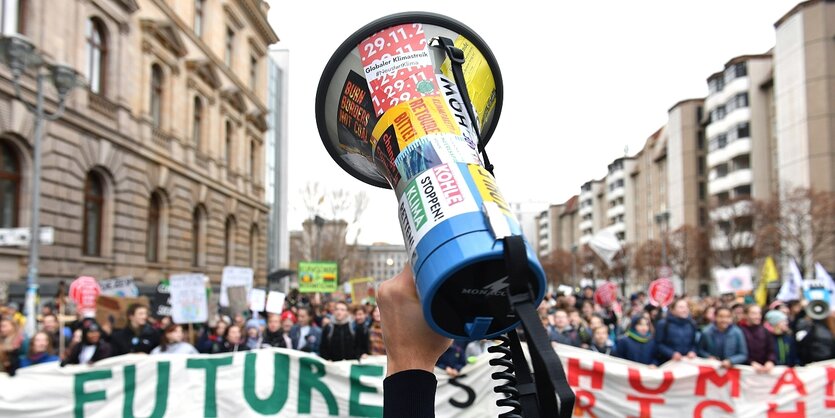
582 80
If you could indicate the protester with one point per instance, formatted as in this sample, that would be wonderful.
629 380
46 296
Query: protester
138 336
453 359
361 330
172 342
305 335
375 334
562 332
760 344
274 335
91 348
40 351
233 341
815 339
253 335
339 337
212 338
637 345
11 340
600 342
724 341
785 349
584 329
52 328
675 336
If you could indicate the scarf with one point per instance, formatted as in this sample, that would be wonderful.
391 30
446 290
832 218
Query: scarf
643 339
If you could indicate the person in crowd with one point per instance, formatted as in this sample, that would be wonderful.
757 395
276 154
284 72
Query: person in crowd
738 310
52 328
584 330
274 335
233 341
562 332
253 335
239 319
723 341
138 336
600 342
454 358
676 335
707 318
637 344
339 340
815 339
587 310
91 348
476 348
760 343
361 329
11 341
172 342
375 334
586 296
305 335
785 349
40 351
212 338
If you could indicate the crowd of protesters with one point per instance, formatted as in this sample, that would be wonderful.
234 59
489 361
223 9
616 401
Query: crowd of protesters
333 330
731 330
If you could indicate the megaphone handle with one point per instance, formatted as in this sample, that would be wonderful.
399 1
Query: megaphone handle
552 390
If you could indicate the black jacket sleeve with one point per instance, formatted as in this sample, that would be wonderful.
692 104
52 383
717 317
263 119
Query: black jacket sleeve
409 394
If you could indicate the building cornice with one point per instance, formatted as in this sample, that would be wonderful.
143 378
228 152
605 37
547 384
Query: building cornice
252 9
795 10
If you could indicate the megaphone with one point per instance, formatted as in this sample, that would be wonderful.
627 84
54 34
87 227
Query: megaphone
408 102
818 297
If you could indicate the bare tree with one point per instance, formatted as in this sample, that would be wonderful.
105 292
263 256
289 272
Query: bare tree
645 261
807 225
687 247
732 231
557 266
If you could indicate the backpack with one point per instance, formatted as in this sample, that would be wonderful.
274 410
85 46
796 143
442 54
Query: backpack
351 328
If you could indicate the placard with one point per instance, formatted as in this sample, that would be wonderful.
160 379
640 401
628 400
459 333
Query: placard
234 276
188 298
257 300
275 302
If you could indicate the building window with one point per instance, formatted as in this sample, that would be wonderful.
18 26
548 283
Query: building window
9 187
197 123
199 10
230 133
93 214
156 95
12 16
230 46
198 236
253 159
229 241
253 72
253 247
96 55
154 228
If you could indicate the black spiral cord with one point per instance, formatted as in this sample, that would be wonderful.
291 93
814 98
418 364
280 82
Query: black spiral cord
511 399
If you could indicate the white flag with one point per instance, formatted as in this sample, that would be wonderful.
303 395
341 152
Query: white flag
822 276
792 286
606 245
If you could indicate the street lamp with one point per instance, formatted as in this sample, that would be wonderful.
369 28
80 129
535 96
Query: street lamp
19 54
573 264
663 219
319 222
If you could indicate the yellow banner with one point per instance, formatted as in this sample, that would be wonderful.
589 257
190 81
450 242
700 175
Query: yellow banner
414 119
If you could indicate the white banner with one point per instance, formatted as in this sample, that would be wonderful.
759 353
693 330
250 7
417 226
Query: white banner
290 383
734 280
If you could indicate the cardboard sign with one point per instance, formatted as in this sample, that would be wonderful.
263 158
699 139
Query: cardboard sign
275 302
318 276
661 292
161 303
257 300
606 294
234 276
238 299
123 287
188 299
114 311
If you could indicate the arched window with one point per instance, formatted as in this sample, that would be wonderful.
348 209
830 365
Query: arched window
9 186
230 133
96 55
93 214
229 240
197 123
154 233
198 237
156 95
253 247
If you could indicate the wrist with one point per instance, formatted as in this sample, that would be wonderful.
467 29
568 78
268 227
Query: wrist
398 365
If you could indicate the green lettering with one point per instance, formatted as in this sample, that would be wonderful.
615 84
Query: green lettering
281 376
355 408
310 373
161 400
211 365
82 397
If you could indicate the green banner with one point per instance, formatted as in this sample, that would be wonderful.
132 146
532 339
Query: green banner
318 276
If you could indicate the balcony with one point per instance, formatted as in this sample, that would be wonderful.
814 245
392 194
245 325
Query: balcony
615 211
585 225
614 194
736 116
738 240
736 85
617 227
737 147
730 181
585 210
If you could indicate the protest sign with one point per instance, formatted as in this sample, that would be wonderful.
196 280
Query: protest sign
84 291
123 287
275 302
161 302
188 298
114 311
318 276
238 299
234 276
661 292
257 300
736 280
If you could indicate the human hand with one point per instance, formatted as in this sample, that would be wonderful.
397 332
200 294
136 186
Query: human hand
451 372
410 343
676 356
691 355
727 364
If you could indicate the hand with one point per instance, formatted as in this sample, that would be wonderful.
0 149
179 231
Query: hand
691 355
768 366
712 358
451 372
727 364
410 343
676 356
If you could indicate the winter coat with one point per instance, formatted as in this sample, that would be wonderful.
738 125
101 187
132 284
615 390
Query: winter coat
785 350
567 336
735 347
103 351
125 341
635 347
760 344
38 359
312 340
455 356
607 348
339 342
675 335
814 341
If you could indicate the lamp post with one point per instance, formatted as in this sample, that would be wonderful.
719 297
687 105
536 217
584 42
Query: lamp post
662 219
319 222
19 54
573 264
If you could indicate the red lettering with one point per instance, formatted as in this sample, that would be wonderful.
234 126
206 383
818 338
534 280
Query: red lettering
710 374
584 403
645 405
830 381
829 403
575 372
799 412
789 377
699 410
637 384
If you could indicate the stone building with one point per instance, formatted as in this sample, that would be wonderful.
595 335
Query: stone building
156 167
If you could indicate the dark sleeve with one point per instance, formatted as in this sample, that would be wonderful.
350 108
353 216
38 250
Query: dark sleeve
409 394
324 346
72 357
769 346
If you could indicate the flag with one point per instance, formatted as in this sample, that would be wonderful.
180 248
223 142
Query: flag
823 277
736 280
792 286
606 245
768 275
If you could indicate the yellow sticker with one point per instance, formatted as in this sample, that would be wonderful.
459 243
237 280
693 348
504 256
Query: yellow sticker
487 188
415 119
479 78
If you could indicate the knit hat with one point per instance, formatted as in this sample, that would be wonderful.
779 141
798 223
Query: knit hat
774 317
